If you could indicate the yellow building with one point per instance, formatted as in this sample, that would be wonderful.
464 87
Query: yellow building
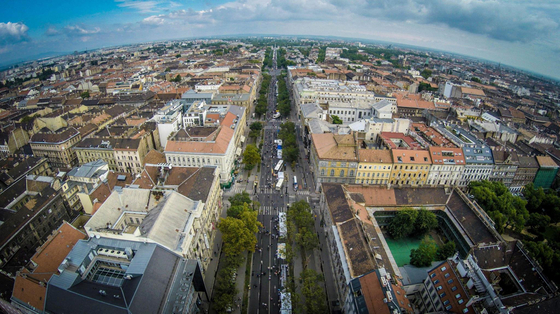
411 166
56 147
334 158
375 166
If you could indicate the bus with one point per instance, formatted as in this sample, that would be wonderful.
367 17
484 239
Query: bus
295 183
279 184
278 165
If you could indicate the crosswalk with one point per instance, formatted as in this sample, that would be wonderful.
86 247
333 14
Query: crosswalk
303 192
271 210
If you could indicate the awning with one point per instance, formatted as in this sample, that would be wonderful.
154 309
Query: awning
238 151
242 138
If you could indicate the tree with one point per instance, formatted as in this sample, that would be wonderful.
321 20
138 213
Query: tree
476 79
336 119
505 209
426 73
425 222
538 222
315 297
251 156
402 225
256 126
238 234
445 251
424 255
178 55
177 79
235 211
85 95
540 251
239 199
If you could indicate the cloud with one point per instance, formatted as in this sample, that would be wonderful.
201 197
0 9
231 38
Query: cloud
141 6
513 21
153 20
78 30
52 31
11 33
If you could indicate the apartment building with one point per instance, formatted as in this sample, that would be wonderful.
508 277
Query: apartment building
114 276
334 158
198 184
56 146
505 167
411 167
169 119
217 147
479 162
43 210
93 149
525 173
448 165
30 286
167 218
83 179
374 166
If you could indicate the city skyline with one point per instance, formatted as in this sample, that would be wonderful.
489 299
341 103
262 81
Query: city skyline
524 35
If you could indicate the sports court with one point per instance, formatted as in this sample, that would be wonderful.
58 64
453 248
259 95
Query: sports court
401 248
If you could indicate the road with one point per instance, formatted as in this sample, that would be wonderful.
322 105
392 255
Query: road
265 284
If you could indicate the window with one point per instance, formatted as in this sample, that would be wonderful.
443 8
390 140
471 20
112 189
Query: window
351 173
439 288
433 275
465 310
448 307
445 302
461 301
436 281
447 275
443 268
342 173
457 296
450 281
332 172
322 172
442 295
454 288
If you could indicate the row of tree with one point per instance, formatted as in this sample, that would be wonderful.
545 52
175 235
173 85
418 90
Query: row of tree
239 230
284 104
262 102
301 231
290 149
268 58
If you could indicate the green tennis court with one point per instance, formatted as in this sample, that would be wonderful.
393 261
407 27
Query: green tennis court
401 248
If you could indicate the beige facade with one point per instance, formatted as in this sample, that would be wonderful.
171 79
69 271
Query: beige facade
56 147
374 167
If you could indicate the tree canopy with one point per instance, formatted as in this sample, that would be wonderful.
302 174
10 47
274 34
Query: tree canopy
336 119
315 298
411 221
505 209
426 73
424 255
251 156
290 149
238 234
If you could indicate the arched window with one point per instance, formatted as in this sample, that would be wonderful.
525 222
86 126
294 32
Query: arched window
351 173
332 172
342 173
322 172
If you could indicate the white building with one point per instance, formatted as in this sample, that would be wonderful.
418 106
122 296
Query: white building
169 119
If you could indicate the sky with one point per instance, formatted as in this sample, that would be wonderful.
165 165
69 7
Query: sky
521 33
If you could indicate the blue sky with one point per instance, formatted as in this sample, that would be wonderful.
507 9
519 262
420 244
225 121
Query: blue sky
524 34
